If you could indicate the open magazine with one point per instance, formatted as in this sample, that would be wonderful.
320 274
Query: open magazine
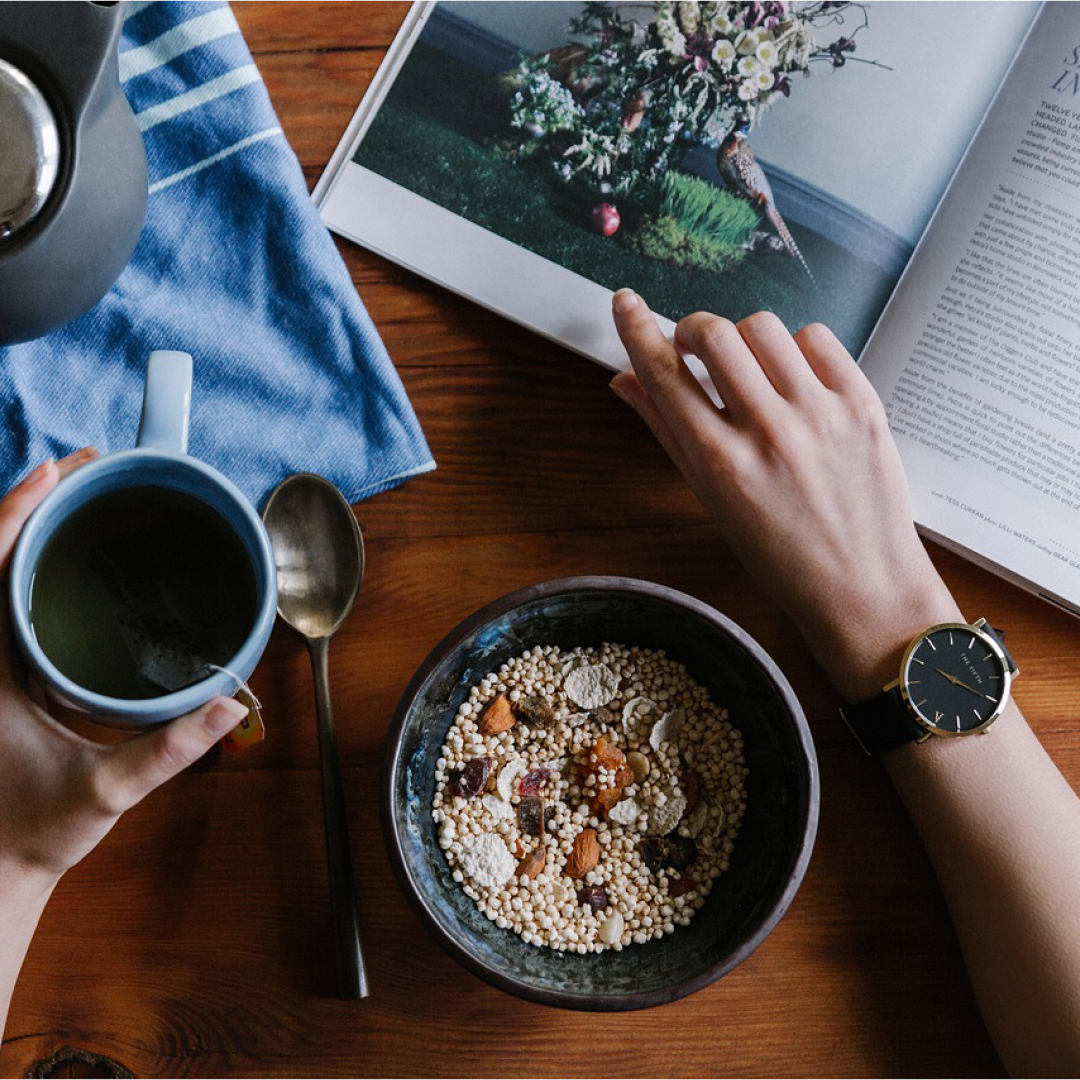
908 173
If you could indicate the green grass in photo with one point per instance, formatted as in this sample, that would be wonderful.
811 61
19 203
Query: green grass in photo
699 225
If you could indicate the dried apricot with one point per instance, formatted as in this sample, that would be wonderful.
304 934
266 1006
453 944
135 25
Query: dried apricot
606 755
605 799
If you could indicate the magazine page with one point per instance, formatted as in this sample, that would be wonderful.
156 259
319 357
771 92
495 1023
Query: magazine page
975 358
535 157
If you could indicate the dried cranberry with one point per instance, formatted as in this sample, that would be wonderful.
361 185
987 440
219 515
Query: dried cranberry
471 780
532 783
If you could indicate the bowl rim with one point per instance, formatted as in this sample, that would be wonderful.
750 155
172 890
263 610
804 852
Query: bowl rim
392 760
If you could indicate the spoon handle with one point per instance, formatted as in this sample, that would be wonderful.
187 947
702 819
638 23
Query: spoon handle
351 977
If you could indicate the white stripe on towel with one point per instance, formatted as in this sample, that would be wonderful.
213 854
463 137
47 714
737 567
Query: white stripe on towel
188 35
192 99
213 159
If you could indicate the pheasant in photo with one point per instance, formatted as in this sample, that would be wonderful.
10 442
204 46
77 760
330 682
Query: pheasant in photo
745 178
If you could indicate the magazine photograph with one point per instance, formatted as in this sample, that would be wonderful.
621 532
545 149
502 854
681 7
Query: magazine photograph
758 175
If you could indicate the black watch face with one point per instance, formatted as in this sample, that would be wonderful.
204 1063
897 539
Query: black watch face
955 680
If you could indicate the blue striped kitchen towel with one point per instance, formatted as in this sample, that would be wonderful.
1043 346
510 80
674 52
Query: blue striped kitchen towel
233 266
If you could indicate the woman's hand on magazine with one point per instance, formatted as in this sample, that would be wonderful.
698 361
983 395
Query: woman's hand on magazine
801 475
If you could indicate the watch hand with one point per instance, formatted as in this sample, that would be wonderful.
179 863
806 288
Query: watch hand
956 682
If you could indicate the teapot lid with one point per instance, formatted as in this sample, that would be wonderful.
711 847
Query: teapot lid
30 163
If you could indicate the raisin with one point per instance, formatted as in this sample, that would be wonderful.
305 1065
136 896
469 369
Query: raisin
550 824
691 786
653 852
682 851
594 897
532 783
470 780
680 886
535 712
673 851
531 815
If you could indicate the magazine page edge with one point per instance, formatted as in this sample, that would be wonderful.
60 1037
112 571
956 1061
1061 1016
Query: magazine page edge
400 48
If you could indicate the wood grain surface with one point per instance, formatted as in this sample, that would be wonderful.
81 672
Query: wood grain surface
195 941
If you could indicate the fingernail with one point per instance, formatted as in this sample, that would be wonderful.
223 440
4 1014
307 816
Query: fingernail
85 454
623 301
224 716
38 474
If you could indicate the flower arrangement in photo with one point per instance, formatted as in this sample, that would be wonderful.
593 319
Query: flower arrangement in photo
616 113
621 109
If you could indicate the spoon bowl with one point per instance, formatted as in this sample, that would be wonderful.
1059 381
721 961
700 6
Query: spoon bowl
319 552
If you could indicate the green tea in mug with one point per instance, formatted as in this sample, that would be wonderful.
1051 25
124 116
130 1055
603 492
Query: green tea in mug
138 590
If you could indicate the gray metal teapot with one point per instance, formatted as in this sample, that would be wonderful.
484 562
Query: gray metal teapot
72 164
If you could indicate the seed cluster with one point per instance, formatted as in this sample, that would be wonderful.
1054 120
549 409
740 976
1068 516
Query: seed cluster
587 799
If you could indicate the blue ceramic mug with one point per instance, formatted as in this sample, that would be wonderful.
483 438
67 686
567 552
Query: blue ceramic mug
160 460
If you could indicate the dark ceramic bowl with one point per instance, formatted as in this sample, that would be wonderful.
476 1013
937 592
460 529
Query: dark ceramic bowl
771 851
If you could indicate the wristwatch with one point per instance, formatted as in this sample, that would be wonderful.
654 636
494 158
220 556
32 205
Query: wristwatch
954 680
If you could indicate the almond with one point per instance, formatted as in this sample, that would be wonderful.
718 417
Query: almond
532 864
584 855
498 716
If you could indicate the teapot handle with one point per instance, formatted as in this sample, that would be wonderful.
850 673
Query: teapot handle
77 45
166 402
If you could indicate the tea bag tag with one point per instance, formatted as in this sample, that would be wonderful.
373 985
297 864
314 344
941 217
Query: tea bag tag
251 728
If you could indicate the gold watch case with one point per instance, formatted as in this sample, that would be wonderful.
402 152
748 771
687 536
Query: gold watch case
908 698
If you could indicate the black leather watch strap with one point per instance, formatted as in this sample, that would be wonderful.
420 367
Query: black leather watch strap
883 723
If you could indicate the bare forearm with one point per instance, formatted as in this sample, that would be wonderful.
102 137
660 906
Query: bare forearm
806 484
1002 829
22 899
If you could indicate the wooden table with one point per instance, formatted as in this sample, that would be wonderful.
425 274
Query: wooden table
196 941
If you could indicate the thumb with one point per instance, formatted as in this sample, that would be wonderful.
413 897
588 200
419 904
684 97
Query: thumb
135 768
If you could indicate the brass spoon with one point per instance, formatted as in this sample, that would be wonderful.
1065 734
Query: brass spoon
319 553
